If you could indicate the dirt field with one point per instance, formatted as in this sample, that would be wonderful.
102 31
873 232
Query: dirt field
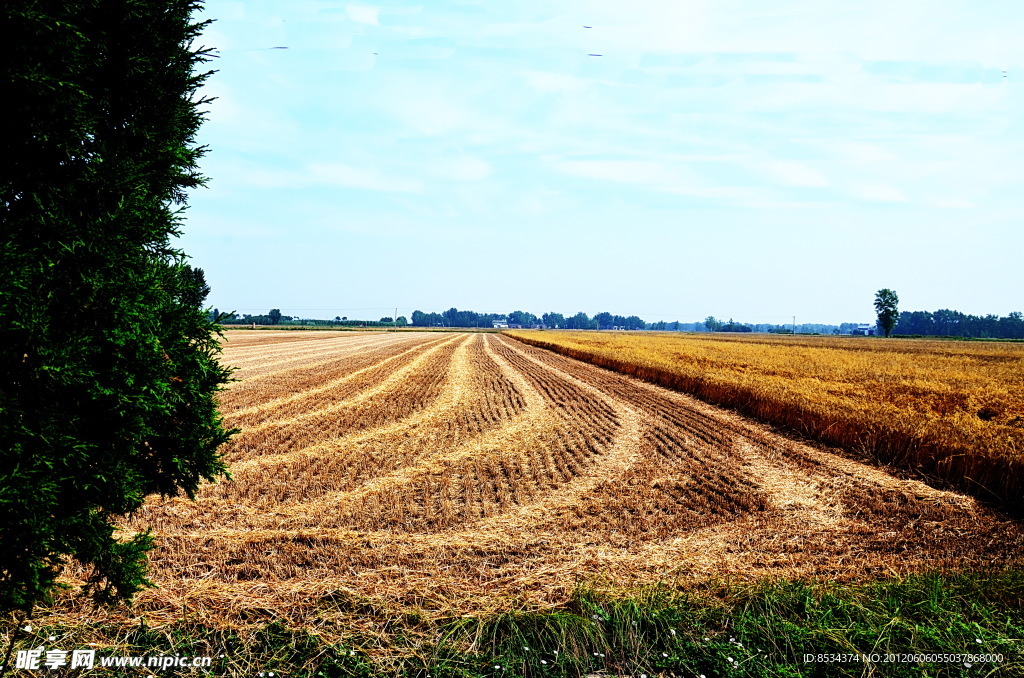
464 472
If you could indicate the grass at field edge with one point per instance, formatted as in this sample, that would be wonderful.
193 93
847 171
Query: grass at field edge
717 629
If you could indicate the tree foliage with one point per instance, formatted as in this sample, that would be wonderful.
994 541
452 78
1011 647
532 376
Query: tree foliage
108 362
947 322
886 303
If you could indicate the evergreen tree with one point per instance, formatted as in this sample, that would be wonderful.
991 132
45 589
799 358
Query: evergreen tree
108 361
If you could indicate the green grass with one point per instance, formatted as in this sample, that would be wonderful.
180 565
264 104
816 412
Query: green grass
717 629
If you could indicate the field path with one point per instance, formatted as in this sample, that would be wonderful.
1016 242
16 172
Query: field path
456 472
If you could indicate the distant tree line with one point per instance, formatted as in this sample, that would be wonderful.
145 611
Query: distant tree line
948 323
453 317
581 321
274 317
943 322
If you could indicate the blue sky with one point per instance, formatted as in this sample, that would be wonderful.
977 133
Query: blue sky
731 158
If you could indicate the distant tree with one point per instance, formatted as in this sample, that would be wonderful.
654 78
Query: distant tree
275 316
604 320
634 323
421 319
733 326
344 318
387 319
553 319
401 322
580 321
712 324
522 318
1012 326
886 307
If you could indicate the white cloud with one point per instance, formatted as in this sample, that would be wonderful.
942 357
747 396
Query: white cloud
679 179
362 14
880 193
361 177
794 174
247 175
872 29
955 204
554 82
647 172
464 168
858 152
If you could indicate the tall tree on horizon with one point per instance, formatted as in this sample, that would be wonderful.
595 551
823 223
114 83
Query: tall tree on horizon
886 306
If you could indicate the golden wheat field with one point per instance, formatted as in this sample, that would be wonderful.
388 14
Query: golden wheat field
458 473
952 410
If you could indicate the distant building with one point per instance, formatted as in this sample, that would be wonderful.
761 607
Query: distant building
864 330
503 324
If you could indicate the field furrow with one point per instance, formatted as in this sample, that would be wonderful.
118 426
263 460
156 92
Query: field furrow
284 360
389 390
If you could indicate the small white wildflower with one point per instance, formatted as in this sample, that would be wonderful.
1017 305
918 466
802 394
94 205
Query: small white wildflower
602 654
978 640
28 629
663 654
673 631
732 640
53 637
526 648
543 661
351 653
496 666
968 664
707 640
730 659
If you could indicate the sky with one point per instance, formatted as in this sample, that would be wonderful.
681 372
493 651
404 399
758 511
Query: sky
741 159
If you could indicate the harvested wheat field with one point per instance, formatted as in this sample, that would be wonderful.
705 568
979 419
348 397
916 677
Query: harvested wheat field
952 411
461 473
